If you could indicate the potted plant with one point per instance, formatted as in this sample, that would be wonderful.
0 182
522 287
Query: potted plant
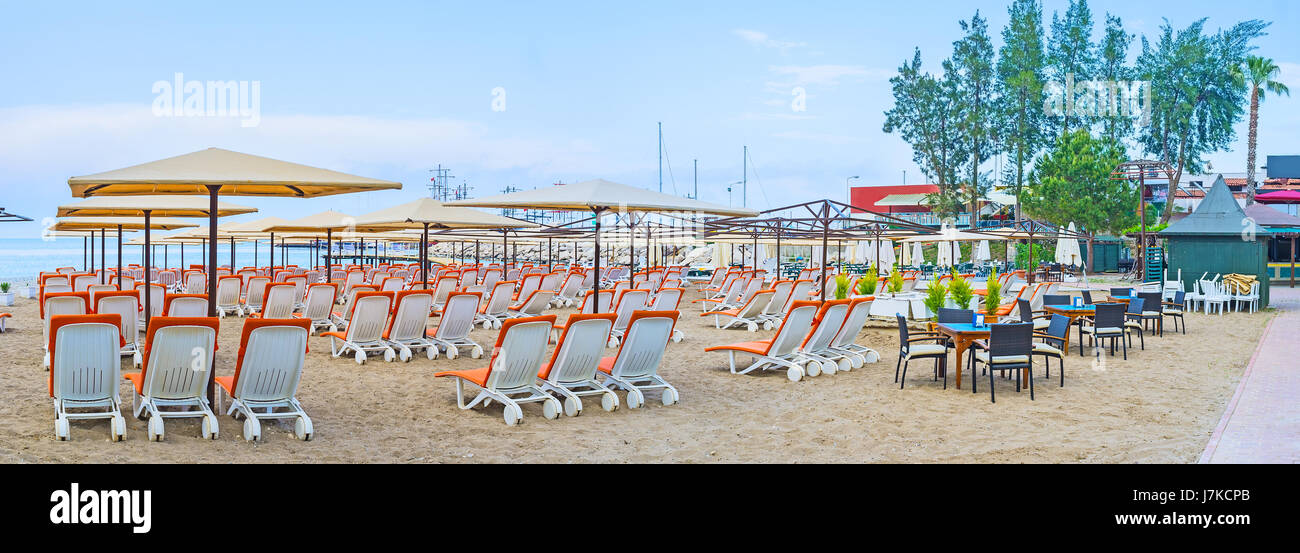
934 298
841 287
961 292
6 297
867 284
993 299
895 281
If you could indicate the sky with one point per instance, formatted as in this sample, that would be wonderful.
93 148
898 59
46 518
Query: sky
521 94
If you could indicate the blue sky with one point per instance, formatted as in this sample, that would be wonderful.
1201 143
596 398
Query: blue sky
390 89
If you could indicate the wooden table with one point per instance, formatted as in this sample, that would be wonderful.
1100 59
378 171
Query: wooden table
963 335
1074 313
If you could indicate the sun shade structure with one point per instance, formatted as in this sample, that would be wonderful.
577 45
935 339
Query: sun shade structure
600 196
1279 197
7 217
125 223
156 206
426 213
327 221
213 172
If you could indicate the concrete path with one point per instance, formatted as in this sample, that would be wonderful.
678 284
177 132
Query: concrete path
1262 421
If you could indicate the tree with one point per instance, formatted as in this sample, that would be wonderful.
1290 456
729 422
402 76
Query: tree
1196 93
926 115
972 66
1259 76
1020 90
1112 55
1070 57
1072 183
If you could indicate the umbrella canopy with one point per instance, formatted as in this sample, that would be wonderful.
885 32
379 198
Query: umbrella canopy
1279 197
320 222
127 223
237 174
600 194
945 254
255 226
1067 249
424 211
918 254
157 206
981 253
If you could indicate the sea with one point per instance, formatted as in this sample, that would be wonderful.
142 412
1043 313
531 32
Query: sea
23 259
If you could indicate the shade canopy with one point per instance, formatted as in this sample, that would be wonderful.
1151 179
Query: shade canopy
1067 249
158 206
320 222
432 212
127 223
254 226
601 194
7 217
1279 197
1266 216
237 173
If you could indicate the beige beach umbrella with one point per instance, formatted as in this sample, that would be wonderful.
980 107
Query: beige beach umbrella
327 221
425 213
146 207
601 197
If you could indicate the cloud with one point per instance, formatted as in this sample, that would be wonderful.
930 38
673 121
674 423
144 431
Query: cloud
825 75
759 39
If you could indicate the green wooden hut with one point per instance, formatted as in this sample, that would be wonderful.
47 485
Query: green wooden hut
1218 238
1107 249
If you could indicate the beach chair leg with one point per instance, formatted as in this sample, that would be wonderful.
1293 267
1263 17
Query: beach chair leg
903 380
992 392
897 365
1031 382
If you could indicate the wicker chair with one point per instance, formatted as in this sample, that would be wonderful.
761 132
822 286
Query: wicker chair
1010 348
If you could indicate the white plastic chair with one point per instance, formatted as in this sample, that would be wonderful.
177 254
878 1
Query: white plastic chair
267 373
408 328
228 296
571 373
84 372
511 375
455 323
365 331
319 306
779 352
175 374
497 308
635 368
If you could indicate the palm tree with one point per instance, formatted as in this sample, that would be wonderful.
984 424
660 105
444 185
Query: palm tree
1259 75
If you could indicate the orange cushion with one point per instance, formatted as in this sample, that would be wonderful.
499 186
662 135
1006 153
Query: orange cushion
477 376
227 383
137 379
338 335
759 347
731 312
606 365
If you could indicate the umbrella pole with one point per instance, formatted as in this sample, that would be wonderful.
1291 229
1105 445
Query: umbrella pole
476 252
272 262
182 263
631 248
329 249
119 257
165 262
826 226
595 307
147 262
92 253
232 255
84 265
1293 238
212 273
424 257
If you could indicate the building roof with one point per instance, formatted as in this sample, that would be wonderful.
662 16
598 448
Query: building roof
1217 215
1266 216
868 197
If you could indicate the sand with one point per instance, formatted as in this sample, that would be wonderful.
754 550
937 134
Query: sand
1160 406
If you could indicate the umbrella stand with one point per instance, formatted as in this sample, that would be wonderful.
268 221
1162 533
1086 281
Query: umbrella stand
826 230
329 250
424 257
148 261
232 255
596 265
272 262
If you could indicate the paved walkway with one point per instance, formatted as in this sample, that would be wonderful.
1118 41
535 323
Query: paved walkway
1262 421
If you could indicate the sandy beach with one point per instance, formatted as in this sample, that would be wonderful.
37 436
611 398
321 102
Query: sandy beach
1159 406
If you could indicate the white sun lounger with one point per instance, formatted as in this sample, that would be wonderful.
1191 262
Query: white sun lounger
454 325
84 372
779 352
365 331
827 324
174 375
635 368
265 383
497 308
571 373
408 327
511 375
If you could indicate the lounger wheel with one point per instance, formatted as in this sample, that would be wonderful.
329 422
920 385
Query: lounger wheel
767 325
496 324
635 399
452 352
405 356
513 414
302 429
813 369
117 428
669 397
828 367
252 430
476 353
612 342
752 327
61 429
360 357
845 365
795 374
609 401
551 408
135 358
431 352
872 357
389 355
210 427
573 406
677 337
156 430
487 325
856 361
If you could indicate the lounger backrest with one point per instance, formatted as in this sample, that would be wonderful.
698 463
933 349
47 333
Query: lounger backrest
519 351
392 284
668 299
320 300
829 320
499 298
571 285
551 281
715 280
410 318
458 315
644 344
256 290
536 303
794 328
468 277
353 278
185 305
628 302
756 303
126 304
196 283
99 288
228 291
80 283
734 291
84 360
490 278
859 310
369 315
798 293
178 356
299 288
158 292
446 285
277 300
780 296
580 348
530 283
752 286
606 302
271 356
